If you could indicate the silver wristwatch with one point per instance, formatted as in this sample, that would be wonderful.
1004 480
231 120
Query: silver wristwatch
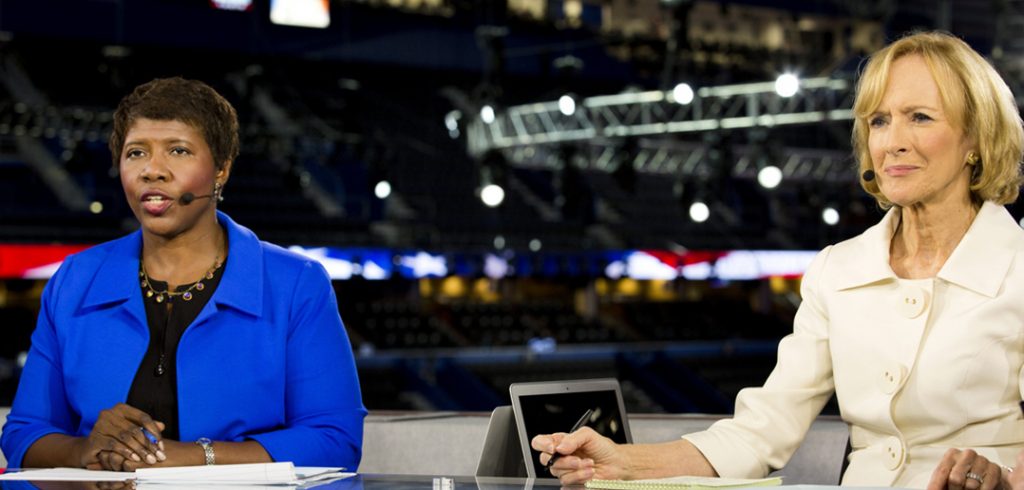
207 446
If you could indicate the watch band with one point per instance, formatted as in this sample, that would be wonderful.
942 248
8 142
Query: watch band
207 446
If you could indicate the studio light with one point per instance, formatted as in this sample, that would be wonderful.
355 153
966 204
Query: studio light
682 94
699 212
830 216
492 195
787 85
451 122
487 114
567 105
769 177
382 190
535 245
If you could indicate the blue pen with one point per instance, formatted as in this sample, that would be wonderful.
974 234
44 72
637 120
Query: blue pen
150 436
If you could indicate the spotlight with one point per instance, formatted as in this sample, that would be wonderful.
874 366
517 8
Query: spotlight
382 190
451 121
830 216
487 114
769 177
499 242
699 212
535 245
492 195
96 207
682 94
787 84
567 105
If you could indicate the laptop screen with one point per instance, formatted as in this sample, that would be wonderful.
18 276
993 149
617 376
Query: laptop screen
562 406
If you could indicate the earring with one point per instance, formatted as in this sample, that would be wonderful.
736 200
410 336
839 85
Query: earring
218 189
973 158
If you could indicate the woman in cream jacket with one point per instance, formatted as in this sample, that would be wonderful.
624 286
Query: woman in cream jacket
917 324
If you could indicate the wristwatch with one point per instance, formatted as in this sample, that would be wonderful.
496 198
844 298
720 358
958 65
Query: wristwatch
207 446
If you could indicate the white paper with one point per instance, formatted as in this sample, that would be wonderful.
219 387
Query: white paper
67 474
233 475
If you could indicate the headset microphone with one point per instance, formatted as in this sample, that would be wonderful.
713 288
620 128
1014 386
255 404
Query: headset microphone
188 197
868 175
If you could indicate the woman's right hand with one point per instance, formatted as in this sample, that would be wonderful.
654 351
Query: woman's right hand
583 455
118 431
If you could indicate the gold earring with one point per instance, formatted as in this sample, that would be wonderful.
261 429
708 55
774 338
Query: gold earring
973 158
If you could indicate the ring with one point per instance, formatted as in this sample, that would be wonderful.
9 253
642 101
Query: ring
974 476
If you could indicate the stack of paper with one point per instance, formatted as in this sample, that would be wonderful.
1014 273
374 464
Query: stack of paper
684 483
235 475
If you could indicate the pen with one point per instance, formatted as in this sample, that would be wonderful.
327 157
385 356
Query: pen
575 427
150 436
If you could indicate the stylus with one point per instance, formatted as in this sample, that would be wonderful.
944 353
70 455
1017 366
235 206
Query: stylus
575 427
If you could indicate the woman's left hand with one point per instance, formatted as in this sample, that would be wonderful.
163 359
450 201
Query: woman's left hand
966 469
178 454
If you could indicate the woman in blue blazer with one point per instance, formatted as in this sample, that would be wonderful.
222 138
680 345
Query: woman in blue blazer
190 341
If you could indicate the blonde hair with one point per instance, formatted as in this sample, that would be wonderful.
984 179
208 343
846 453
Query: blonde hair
975 99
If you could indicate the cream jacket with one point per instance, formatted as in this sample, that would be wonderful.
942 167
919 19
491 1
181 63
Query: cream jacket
918 366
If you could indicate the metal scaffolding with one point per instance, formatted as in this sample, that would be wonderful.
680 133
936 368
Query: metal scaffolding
529 135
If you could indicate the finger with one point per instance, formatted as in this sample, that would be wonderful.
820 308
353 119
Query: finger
958 475
572 442
545 443
993 476
577 477
141 449
115 445
941 474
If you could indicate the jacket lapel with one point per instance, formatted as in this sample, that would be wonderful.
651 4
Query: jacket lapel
116 281
241 288
983 258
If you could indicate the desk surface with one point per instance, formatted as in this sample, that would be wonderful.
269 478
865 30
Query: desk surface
358 482
372 482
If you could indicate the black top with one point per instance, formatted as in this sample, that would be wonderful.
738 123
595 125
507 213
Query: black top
155 388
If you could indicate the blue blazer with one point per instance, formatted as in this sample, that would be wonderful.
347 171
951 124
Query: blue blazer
267 359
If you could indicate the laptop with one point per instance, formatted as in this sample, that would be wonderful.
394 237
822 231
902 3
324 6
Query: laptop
548 407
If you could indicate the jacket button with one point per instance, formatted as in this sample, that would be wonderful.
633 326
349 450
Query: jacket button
891 378
912 302
893 453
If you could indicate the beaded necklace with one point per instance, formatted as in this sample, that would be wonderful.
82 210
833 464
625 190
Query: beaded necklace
186 295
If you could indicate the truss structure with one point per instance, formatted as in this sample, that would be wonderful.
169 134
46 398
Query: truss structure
688 160
529 134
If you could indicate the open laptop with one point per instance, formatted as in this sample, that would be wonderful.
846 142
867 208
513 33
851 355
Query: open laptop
548 407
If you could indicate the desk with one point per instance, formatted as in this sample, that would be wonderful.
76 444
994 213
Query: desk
358 482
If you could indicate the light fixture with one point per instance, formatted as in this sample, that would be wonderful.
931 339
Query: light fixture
96 207
499 242
487 114
382 190
451 122
567 105
492 195
830 216
682 94
699 211
535 245
769 177
787 85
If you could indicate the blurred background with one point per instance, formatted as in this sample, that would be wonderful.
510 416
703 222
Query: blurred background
502 190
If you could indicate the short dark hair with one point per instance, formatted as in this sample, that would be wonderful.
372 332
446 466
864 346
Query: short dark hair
177 99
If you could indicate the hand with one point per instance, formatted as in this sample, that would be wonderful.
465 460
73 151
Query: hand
1015 479
966 469
175 454
585 454
117 438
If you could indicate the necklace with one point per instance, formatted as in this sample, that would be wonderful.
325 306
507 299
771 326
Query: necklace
186 295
